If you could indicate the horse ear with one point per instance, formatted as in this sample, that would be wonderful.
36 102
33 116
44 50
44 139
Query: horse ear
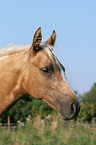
36 40
52 39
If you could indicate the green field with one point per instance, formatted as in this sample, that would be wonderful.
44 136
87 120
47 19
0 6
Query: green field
53 131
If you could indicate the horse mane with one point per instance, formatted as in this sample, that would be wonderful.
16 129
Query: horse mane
9 50
13 49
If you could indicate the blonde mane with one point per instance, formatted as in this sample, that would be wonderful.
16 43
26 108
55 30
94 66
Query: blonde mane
13 49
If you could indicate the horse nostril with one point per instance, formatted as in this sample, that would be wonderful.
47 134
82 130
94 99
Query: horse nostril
73 108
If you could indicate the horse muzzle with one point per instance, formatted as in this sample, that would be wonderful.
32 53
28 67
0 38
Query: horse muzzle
69 110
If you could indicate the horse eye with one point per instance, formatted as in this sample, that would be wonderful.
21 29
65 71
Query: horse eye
46 70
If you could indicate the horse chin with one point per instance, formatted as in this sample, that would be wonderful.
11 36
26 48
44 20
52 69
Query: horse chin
64 117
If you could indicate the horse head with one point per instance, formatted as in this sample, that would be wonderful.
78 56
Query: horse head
44 79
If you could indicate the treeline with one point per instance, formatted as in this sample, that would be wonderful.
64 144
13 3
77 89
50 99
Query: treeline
30 106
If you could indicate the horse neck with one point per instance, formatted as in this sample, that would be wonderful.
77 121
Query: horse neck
11 80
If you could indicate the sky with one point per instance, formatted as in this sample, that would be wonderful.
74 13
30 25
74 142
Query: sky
75 25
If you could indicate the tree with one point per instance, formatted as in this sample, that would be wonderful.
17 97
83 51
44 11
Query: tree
88 104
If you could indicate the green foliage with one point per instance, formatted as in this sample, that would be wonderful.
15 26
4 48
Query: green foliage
86 112
88 105
90 97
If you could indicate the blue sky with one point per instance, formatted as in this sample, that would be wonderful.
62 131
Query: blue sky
75 25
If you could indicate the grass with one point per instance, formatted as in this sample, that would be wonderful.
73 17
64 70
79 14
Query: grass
53 131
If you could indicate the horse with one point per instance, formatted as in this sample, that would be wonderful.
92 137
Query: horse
36 71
